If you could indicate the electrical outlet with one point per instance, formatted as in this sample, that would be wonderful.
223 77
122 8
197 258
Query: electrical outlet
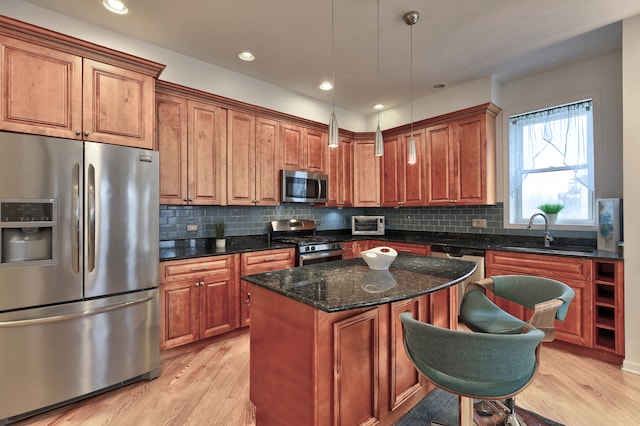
478 223
192 227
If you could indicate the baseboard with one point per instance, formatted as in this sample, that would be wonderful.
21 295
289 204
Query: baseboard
631 367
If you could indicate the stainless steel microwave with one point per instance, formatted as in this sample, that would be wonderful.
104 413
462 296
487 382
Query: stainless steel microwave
367 225
303 187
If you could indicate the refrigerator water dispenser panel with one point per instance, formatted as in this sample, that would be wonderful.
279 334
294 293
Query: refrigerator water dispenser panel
27 231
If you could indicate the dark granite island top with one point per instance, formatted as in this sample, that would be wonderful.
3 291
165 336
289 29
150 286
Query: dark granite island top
350 284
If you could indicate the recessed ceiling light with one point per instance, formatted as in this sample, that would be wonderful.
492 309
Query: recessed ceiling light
326 86
378 107
246 56
115 6
439 86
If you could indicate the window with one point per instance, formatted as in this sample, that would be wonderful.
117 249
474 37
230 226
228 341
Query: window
551 161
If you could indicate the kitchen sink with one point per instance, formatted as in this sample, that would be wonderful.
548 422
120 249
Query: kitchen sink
575 251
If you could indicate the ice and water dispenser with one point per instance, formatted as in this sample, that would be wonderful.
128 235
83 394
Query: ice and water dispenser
27 231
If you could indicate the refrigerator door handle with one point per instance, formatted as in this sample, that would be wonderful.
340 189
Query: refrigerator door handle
80 314
75 218
91 218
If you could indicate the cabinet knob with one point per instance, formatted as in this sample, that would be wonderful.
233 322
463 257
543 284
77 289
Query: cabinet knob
78 132
86 133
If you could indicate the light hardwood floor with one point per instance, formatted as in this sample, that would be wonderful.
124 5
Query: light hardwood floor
208 384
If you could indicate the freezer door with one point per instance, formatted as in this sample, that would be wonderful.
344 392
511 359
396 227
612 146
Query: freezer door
57 353
37 170
121 219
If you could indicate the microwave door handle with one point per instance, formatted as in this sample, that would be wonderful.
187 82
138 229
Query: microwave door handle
319 188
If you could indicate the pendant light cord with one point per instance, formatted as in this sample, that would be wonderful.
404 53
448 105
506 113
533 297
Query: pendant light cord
333 63
411 77
378 64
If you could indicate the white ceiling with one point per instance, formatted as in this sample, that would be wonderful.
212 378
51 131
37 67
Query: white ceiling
455 41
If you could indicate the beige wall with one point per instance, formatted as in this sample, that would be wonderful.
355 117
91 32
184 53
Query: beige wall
631 136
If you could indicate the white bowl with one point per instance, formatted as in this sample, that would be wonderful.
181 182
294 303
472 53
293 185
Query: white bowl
379 258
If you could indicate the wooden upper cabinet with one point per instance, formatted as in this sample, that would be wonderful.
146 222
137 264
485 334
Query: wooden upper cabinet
118 105
54 92
171 138
207 154
241 158
461 164
439 156
366 175
252 160
340 171
191 139
403 183
41 90
315 150
303 149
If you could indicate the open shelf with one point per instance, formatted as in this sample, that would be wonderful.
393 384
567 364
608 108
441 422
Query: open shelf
606 338
605 271
605 316
605 294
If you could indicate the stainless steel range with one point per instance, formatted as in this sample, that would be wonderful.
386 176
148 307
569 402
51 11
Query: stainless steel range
310 248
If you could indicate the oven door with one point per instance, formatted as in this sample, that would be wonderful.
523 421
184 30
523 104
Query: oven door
320 257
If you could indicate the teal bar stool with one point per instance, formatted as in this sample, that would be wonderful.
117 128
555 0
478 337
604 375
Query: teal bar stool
473 365
548 299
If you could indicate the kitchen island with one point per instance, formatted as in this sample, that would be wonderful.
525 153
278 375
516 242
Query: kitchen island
326 340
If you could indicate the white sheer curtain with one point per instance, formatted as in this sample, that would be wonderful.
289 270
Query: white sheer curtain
567 130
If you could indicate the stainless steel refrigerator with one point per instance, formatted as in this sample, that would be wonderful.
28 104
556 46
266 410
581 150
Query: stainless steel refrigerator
78 270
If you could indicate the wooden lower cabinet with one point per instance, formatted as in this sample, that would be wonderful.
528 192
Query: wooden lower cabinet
577 328
256 263
354 248
343 368
198 299
410 248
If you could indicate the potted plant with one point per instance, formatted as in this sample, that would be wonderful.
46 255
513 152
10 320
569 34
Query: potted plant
551 210
219 229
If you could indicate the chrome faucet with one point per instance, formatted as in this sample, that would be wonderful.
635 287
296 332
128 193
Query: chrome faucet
547 236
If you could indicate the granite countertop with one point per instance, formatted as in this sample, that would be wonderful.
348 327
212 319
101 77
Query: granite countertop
202 247
439 241
350 284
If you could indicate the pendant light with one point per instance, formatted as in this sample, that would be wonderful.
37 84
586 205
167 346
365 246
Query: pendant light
411 18
333 121
378 146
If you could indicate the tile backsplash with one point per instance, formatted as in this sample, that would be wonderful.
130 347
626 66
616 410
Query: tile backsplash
255 220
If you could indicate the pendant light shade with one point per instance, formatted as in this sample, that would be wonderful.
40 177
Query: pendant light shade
411 18
333 121
333 131
411 151
378 146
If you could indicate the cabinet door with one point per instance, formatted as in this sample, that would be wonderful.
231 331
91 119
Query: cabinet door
413 175
391 172
340 171
171 137
241 158
355 377
439 175
293 149
41 90
218 301
405 379
366 175
410 248
179 315
118 105
207 154
470 161
267 159
315 150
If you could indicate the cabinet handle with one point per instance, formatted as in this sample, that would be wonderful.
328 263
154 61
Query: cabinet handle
271 259
405 251
199 268
248 301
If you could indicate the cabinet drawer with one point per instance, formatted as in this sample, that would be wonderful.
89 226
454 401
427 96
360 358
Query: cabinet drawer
555 267
267 260
175 270
409 248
